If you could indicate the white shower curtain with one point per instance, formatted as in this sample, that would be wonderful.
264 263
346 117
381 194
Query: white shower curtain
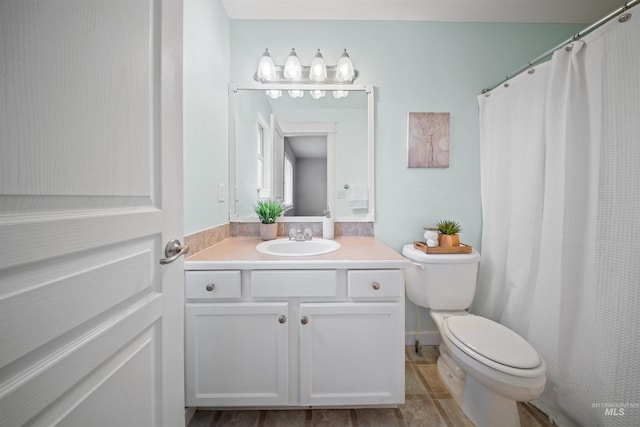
560 170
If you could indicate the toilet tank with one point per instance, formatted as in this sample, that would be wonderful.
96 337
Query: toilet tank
441 281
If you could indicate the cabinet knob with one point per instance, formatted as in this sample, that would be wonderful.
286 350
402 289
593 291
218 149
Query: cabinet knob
376 286
282 318
304 320
210 287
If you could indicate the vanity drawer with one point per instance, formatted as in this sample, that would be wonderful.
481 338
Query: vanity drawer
293 283
375 283
212 284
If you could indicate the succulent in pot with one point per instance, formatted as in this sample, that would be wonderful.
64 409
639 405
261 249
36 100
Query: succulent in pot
449 230
268 211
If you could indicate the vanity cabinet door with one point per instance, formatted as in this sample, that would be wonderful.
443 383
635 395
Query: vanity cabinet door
237 354
351 353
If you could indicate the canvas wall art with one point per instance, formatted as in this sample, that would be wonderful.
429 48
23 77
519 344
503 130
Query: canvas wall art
428 140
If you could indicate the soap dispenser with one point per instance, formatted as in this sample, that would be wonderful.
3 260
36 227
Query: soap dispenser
327 224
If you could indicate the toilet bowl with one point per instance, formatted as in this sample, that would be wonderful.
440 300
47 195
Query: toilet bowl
485 366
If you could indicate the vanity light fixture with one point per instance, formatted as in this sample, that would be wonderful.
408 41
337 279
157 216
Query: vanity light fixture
292 67
266 67
317 94
344 69
274 93
318 68
293 72
337 94
296 93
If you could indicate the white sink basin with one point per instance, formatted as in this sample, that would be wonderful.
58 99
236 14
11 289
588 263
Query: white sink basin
286 247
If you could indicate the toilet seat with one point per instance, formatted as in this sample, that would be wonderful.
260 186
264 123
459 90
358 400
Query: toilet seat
492 344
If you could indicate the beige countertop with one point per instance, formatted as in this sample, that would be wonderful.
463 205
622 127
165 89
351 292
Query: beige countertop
240 252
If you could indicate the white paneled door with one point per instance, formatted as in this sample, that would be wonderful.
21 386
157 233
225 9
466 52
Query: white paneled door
91 325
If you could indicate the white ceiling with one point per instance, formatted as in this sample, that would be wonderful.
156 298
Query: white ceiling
309 146
523 11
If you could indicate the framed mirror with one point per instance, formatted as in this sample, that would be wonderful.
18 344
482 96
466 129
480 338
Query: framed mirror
309 154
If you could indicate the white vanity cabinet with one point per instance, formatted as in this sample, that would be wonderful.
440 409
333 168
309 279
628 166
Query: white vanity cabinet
236 352
295 337
351 351
349 354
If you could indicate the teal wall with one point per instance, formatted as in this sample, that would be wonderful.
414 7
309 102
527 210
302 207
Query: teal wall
205 110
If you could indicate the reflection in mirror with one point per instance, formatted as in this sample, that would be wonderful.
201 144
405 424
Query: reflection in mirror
307 153
306 158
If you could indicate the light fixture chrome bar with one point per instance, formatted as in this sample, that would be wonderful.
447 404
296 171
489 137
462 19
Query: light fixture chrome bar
234 87
575 37
331 77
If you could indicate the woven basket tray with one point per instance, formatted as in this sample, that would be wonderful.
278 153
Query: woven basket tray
462 249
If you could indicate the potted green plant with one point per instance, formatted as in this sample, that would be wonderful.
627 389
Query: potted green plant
268 211
448 233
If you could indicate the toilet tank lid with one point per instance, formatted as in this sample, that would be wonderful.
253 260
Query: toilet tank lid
416 255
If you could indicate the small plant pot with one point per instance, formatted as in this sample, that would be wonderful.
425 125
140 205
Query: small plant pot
449 240
268 231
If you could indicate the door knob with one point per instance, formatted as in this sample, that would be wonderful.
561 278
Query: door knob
173 251
304 320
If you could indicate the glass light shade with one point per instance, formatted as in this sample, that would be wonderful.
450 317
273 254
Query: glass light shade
337 94
292 67
266 68
317 94
318 68
274 93
296 93
344 68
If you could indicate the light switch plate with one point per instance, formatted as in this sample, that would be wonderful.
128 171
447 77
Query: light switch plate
221 192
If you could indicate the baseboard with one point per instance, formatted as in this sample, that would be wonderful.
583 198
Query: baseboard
425 337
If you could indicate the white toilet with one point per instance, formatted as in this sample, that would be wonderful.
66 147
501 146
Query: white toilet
485 366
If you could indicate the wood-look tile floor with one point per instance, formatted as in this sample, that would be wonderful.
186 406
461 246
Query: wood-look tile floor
427 403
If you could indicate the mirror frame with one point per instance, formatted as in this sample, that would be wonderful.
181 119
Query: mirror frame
367 89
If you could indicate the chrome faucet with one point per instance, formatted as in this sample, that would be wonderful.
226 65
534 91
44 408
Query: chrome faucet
296 233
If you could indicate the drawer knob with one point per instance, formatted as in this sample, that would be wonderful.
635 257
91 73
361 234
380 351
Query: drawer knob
282 318
304 320
210 287
376 286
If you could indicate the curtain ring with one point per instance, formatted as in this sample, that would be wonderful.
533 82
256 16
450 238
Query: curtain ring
624 17
569 47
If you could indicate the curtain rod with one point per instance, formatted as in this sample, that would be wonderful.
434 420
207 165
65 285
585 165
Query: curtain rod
575 37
